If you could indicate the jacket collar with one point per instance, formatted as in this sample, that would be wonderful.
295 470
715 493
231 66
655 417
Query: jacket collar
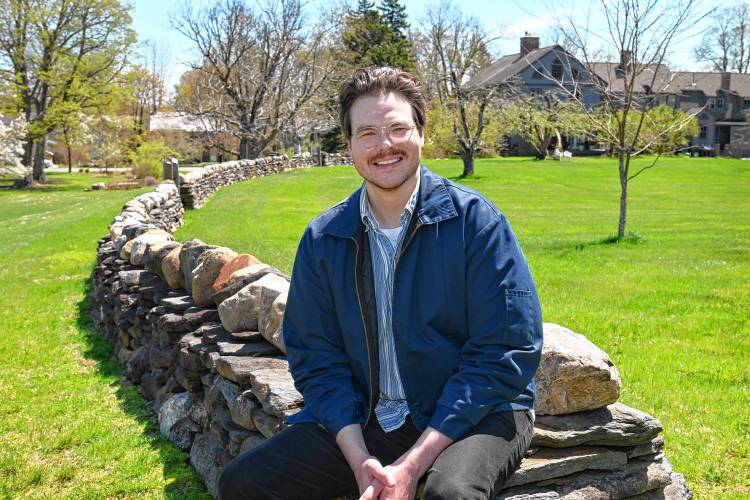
434 205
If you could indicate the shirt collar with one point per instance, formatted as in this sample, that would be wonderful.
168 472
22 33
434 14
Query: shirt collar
369 219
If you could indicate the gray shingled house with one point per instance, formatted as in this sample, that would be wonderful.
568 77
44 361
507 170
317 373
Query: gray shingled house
721 101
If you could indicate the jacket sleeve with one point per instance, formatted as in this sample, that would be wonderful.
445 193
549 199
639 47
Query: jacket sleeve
503 351
315 349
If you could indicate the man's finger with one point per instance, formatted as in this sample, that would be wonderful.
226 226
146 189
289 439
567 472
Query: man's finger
379 472
372 491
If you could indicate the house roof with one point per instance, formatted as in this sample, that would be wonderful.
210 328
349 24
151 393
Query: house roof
710 82
655 76
508 66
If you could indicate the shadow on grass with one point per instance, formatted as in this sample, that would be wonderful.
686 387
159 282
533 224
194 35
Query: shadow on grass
181 480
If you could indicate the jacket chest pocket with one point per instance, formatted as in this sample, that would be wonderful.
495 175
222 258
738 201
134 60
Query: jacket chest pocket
520 316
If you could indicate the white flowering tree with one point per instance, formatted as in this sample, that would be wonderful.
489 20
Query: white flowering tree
12 137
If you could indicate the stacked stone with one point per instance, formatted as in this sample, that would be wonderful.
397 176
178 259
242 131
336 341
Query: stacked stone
199 330
196 186
586 445
330 159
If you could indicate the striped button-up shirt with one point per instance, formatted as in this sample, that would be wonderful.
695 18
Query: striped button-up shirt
385 244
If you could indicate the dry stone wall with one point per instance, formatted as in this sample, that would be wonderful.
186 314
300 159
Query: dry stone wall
198 329
198 185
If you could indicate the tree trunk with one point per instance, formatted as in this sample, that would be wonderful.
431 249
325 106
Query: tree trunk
67 148
248 149
622 164
38 159
468 158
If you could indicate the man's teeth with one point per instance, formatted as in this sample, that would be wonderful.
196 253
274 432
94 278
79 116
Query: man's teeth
387 162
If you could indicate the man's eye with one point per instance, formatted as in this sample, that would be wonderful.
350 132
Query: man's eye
365 133
399 129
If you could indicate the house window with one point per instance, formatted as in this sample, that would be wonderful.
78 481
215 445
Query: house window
719 103
745 103
534 91
704 132
712 103
557 69
575 74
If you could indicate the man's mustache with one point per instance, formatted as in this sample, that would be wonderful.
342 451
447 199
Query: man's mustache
387 152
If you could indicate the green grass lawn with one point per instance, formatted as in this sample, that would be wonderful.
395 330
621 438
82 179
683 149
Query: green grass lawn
68 427
671 310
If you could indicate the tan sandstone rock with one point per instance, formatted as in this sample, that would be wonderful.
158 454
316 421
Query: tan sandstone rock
574 374
241 311
239 262
140 244
206 270
170 269
273 331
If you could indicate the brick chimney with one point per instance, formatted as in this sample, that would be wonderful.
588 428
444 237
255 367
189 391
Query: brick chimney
529 43
726 80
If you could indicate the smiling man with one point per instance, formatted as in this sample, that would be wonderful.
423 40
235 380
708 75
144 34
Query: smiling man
413 328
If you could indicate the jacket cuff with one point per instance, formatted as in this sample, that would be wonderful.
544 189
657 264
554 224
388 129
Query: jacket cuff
345 415
447 421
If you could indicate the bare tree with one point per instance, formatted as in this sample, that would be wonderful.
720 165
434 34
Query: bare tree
259 66
726 44
641 33
453 47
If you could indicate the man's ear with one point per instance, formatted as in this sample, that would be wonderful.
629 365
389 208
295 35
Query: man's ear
349 146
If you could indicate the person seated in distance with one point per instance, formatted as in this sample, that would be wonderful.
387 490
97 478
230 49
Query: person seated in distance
413 328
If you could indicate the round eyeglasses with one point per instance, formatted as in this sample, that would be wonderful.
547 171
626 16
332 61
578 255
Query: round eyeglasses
396 132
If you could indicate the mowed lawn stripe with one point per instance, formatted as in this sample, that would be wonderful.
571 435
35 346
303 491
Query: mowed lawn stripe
671 308
68 428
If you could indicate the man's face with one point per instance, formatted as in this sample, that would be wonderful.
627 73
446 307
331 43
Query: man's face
384 162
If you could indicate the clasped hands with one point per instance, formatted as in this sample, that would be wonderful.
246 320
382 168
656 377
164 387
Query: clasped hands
397 481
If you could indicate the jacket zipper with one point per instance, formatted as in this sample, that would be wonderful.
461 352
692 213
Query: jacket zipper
410 236
357 285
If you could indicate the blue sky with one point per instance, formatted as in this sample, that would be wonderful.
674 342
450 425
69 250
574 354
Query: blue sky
506 19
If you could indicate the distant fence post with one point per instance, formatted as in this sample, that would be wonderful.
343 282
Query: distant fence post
171 171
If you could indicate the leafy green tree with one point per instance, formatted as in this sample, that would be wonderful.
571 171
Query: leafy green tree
667 129
541 120
440 137
58 58
148 158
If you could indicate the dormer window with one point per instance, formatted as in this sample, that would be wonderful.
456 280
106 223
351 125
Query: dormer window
745 103
557 69
719 103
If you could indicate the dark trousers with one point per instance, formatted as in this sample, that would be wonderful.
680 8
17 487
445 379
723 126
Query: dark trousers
304 462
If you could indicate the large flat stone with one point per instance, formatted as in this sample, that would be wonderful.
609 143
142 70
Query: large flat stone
274 389
242 370
574 374
262 348
636 478
615 425
549 463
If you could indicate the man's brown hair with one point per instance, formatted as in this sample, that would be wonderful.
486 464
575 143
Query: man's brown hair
376 81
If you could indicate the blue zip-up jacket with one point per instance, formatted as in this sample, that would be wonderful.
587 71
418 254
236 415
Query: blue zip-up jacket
467 323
